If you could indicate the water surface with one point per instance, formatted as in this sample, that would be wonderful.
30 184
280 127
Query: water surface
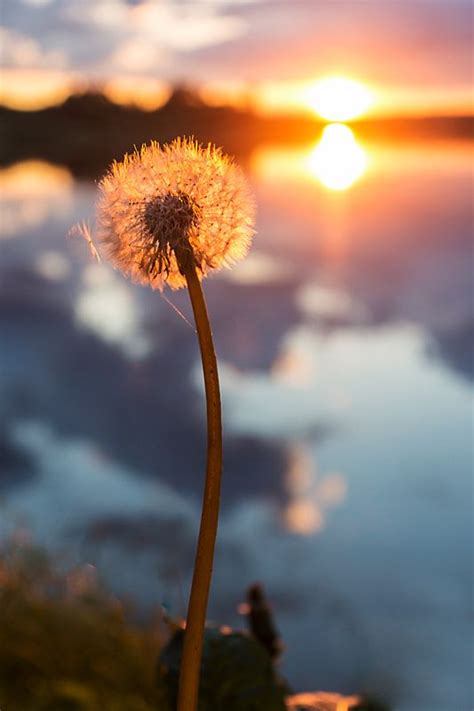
345 347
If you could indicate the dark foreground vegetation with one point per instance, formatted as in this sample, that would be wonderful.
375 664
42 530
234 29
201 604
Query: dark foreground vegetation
68 645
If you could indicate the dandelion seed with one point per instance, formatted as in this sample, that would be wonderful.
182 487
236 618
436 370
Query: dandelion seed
177 196
83 229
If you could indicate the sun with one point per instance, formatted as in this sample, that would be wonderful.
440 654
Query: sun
339 99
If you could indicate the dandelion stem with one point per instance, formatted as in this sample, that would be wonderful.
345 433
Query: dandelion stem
196 618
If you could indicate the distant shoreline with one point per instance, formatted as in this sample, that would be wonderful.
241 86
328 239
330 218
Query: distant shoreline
88 131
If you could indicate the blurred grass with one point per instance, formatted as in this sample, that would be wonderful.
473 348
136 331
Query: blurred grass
67 645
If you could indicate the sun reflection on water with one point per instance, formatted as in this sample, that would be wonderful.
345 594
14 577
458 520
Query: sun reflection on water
337 160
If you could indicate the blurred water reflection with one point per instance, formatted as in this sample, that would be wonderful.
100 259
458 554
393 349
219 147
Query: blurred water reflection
337 159
345 348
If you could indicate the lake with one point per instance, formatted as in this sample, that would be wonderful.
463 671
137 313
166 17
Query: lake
345 351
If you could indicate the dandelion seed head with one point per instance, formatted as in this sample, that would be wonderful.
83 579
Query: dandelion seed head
176 196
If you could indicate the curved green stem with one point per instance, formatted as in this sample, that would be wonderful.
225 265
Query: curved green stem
196 618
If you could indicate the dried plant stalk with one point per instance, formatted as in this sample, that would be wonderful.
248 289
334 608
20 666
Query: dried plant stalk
196 617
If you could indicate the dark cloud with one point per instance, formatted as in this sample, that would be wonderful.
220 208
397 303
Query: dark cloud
252 320
168 537
138 533
455 347
145 414
16 466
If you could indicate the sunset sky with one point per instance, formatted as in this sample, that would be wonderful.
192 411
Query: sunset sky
413 56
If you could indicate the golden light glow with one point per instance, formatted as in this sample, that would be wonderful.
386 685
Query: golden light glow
303 516
31 192
338 160
30 89
282 167
231 92
33 178
339 99
146 94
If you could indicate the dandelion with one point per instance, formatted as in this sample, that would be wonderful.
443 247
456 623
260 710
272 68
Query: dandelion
179 198
169 215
